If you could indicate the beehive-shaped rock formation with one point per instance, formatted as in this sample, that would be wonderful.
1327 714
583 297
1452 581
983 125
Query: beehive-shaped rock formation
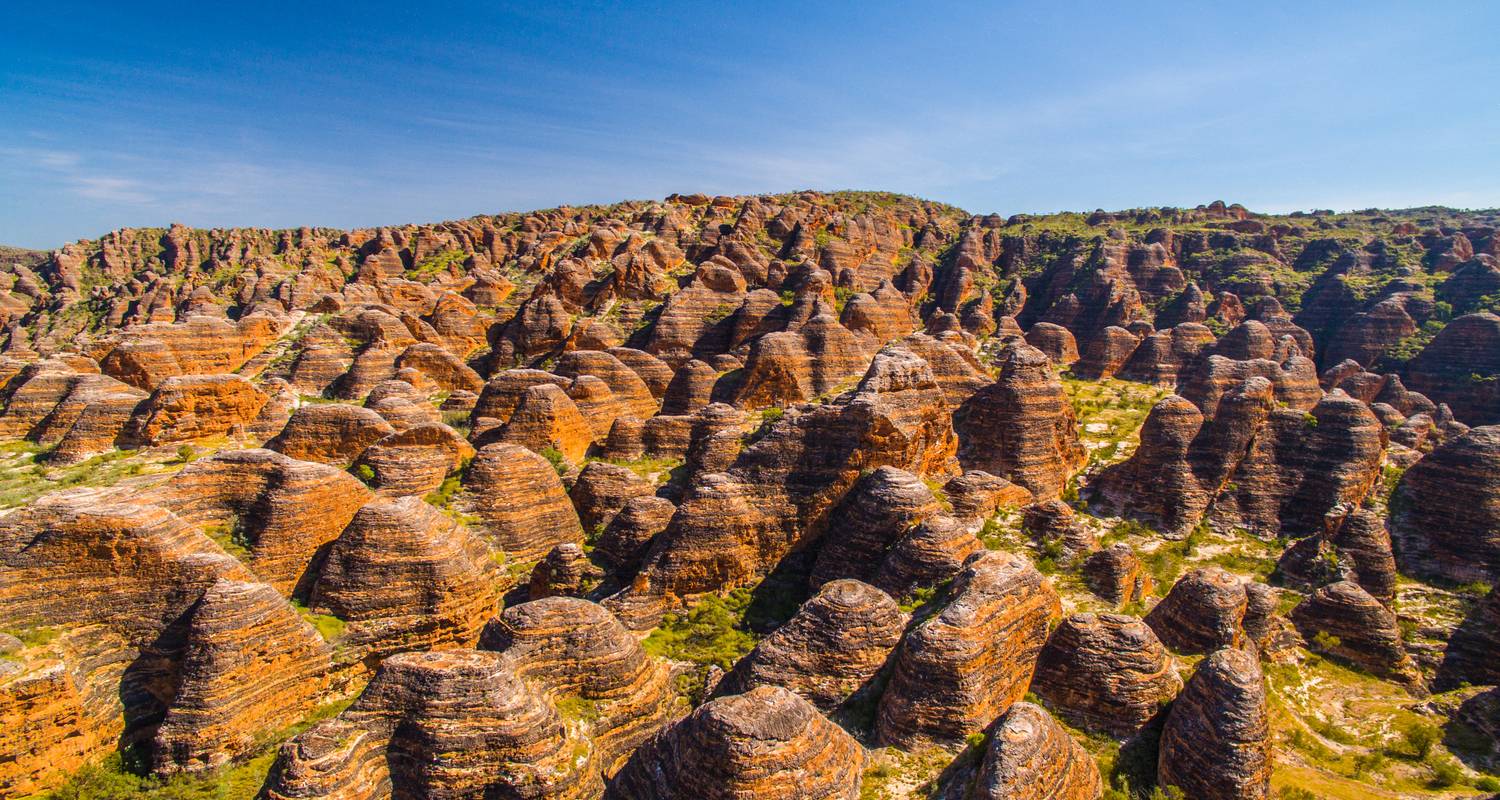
958 670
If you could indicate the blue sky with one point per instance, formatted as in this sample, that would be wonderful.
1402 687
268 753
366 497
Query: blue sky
280 114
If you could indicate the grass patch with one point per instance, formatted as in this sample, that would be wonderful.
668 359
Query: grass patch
228 536
712 631
331 628
24 477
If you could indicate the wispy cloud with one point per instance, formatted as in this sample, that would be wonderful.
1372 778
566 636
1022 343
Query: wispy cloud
109 189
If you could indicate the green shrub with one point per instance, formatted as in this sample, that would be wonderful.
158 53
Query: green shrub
711 632
1326 641
1419 739
555 457
331 628
1445 773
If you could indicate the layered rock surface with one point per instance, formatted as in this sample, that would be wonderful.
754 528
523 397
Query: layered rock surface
958 670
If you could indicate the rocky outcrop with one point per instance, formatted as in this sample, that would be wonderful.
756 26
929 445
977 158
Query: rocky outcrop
978 495
1473 652
1021 427
280 510
572 648
655 373
926 555
779 493
88 420
48 730
602 489
627 538
1105 672
625 385
1255 465
964 666
1051 524
795 366
1445 513
1294 381
1459 366
691 388
547 419
414 461
875 512
1106 353
120 579
1216 743
190 407
251 668
767 743
1164 356
1030 757
466 723
564 572
441 724
330 433
403 574
1353 546
830 650
1202 613
444 369
502 393
1344 621
1055 341
1117 575
200 345
521 507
